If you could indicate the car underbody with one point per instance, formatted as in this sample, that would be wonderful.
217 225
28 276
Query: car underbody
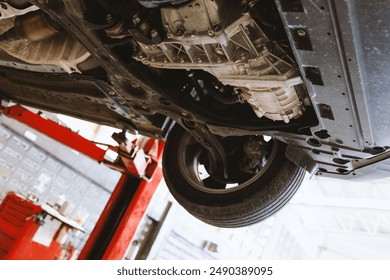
309 74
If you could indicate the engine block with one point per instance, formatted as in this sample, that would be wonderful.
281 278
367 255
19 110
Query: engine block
234 49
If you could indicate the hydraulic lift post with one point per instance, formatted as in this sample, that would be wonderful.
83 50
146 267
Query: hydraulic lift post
141 175
119 220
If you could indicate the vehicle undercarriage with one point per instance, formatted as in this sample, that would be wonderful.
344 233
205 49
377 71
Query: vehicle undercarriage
248 94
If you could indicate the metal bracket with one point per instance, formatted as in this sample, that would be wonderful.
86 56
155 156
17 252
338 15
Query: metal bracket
302 159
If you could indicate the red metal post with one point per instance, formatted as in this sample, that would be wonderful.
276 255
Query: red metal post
55 131
132 217
127 205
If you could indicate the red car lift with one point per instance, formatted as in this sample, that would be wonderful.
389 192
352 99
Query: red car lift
141 175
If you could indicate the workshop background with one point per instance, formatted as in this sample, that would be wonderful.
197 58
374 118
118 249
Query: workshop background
327 218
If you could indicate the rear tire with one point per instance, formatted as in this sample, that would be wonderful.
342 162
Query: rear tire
248 203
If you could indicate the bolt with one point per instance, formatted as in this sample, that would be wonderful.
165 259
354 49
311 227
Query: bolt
182 60
301 33
194 34
241 69
180 32
152 59
111 93
211 33
169 35
264 48
153 33
109 18
166 60
217 28
219 51
219 60
199 60
135 19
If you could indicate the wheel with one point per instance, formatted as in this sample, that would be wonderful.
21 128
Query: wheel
249 195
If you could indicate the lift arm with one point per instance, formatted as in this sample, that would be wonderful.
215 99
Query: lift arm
128 203
55 131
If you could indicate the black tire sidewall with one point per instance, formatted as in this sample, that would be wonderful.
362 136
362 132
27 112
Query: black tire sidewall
260 199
